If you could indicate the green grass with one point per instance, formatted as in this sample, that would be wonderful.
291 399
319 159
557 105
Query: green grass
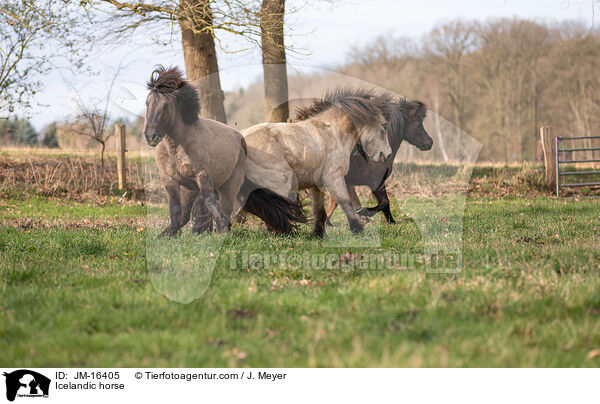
528 294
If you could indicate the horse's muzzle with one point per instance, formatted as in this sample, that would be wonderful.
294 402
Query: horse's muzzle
426 146
153 139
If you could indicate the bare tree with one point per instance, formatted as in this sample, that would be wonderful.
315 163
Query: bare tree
199 21
95 117
201 57
434 90
448 46
508 69
34 36
576 82
501 80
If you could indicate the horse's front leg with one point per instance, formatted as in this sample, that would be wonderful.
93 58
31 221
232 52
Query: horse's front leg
187 198
172 189
354 197
211 201
383 204
338 189
369 212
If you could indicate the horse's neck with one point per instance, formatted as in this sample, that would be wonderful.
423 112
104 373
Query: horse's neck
397 136
178 137
395 143
344 129
171 144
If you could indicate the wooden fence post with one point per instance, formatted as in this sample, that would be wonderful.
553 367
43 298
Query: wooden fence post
120 132
549 150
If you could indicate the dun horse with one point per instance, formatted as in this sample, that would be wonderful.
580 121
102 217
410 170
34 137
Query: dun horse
405 122
314 154
202 163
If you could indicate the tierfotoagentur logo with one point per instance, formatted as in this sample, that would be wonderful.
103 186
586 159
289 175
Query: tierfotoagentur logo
26 383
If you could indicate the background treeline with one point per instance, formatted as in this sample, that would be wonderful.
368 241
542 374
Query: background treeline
499 81
72 134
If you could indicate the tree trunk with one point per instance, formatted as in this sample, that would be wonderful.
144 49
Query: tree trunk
274 62
201 60
102 154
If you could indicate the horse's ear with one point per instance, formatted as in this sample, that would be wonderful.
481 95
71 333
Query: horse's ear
417 110
188 103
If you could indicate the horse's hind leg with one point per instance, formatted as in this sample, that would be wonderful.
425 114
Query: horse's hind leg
201 219
354 197
211 201
330 209
228 192
383 204
318 211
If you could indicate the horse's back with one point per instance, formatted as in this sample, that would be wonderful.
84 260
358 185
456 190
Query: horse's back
222 139
225 148
294 139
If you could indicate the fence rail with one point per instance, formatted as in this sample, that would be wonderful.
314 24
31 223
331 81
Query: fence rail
561 152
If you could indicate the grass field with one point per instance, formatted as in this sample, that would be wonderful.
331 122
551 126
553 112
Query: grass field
76 292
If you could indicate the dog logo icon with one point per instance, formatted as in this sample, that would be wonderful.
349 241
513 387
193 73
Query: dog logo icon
26 383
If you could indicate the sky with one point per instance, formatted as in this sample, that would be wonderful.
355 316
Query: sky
323 33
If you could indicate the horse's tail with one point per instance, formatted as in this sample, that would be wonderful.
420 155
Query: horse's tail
279 214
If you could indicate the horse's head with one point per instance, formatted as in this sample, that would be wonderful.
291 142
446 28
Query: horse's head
374 141
414 132
171 98
160 116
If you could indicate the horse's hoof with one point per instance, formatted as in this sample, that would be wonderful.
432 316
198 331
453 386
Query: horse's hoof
318 232
168 232
223 225
367 212
202 229
356 227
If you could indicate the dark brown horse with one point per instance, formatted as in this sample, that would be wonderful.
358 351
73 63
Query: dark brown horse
202 163
404 122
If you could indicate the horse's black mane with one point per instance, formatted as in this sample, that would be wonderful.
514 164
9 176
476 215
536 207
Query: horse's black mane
357 103
416 108
170 82
166 81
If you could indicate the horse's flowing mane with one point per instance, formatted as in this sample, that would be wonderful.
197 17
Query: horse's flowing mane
170 82
416 108
356 103
165 81
363 105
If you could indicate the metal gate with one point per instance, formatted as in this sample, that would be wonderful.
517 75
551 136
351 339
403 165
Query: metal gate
560 176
